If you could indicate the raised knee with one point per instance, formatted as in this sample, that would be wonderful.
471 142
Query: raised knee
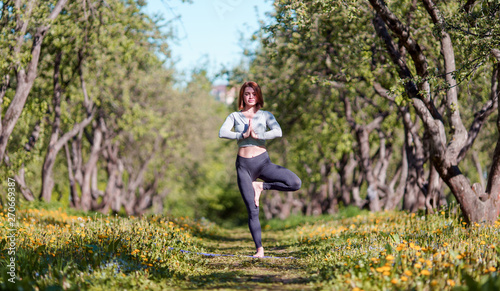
296 184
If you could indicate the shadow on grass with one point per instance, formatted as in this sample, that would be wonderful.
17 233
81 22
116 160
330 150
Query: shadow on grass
49 266
242 279
242 244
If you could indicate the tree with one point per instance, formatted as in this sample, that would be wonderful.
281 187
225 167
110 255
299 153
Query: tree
394 62
307 71
477 205
29 21
425 63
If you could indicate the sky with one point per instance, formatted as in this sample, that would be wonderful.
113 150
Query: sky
209 31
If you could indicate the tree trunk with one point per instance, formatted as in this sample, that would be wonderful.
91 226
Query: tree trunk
350 191
333 201
114 187
75 199
25 76
433 190
25 190
86 198
135 182
281 205
362 133
27 194
394 200
56 143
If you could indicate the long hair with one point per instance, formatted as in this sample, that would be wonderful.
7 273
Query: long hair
258 93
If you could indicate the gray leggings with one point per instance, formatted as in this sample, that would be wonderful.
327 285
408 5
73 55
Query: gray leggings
275 178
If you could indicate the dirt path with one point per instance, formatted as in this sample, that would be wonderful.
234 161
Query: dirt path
244 272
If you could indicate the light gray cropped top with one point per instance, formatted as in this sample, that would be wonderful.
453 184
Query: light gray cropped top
260 122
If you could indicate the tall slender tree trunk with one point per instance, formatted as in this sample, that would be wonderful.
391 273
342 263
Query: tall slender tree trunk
86 198
75 199
56 142
395 199
114 168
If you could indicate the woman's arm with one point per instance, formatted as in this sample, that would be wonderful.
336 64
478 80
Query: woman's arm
274 127
225 129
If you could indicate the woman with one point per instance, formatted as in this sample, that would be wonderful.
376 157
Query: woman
250 130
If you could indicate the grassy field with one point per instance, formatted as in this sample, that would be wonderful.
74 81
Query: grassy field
67 250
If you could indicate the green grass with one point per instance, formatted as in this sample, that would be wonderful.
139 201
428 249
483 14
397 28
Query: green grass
352 250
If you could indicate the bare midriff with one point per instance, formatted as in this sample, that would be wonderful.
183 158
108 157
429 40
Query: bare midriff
251 151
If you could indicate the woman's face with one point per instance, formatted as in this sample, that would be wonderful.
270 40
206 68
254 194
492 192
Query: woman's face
249 97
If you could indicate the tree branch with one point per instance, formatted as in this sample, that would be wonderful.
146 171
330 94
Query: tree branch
380 90
37 42
459 133
496 54
403 33
469 6
421 102
402 67
482 115
493 186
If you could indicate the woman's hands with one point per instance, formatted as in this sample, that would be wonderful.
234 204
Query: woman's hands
250 131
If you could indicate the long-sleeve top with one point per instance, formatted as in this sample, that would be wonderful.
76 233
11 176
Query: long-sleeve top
260 122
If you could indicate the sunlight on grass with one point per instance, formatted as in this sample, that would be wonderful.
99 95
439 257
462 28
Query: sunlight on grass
400 251
367 251
54 248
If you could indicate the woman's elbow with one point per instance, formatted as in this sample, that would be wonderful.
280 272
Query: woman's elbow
279 133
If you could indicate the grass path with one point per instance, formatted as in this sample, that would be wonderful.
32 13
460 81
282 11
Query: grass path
243 272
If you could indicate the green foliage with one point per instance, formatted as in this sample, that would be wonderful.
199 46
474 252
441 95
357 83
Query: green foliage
124 58
207 185
315 55
485 283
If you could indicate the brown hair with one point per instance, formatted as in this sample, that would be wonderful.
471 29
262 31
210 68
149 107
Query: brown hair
258 93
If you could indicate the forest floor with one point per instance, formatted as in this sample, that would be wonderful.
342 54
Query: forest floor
57 249
229 263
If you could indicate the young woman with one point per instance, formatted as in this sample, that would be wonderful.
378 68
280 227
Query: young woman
250 130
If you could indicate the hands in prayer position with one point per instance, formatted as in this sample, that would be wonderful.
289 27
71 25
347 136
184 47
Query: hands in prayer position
250 131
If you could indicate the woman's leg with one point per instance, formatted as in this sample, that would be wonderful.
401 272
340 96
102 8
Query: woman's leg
245 180
275 178
279 178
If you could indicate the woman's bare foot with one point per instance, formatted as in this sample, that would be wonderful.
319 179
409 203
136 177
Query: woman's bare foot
260 253
258 187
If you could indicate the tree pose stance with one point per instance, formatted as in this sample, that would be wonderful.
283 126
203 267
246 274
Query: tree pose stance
250 130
